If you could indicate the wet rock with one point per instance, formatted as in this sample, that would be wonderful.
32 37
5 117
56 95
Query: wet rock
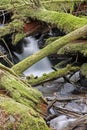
57 32
76 107
52 33
67 88
59 80
75 77
60 122
42 39
3 50
48 89
83 81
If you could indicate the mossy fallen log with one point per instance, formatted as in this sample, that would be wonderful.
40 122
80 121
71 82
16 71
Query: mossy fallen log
20 104
18 90
79 46
64 21
49 49
53 75
16 116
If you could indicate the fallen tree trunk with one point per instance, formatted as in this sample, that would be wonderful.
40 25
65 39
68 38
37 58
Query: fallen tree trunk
17 89
64 21
20 103
50 49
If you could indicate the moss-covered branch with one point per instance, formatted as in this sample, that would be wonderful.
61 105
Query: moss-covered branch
16 28
75 48
49 49
53 75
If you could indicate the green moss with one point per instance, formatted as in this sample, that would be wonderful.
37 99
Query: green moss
50 40
7 4
24 117
83 69
16 26
19 91
66 22
18 37
60 6
52 75
74 48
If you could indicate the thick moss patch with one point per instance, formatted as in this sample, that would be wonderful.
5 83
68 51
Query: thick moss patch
19 90
84 70
74 48
19 116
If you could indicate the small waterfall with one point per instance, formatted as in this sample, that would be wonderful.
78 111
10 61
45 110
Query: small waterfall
39 68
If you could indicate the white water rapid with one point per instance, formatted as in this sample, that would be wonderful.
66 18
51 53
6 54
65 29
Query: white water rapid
39 68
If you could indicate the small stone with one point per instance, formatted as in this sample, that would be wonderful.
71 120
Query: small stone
12 119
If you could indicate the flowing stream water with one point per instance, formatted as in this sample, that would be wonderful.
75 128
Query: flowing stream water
39 68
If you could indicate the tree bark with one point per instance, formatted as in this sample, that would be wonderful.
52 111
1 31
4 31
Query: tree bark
50 49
